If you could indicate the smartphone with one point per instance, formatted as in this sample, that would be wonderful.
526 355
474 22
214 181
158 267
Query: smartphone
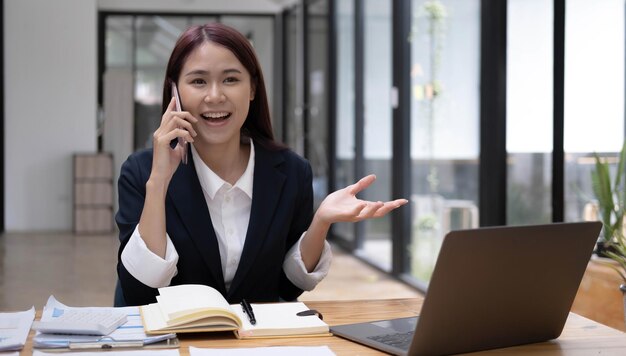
181 141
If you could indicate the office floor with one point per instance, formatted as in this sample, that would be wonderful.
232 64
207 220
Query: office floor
80 271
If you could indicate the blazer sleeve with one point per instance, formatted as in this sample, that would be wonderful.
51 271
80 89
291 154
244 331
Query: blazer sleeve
302 218
132 193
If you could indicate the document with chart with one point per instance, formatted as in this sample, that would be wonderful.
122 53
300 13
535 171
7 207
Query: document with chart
131 334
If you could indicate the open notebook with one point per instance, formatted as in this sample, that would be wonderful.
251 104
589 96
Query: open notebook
200 308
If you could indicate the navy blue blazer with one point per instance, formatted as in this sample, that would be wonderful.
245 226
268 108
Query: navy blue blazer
282 209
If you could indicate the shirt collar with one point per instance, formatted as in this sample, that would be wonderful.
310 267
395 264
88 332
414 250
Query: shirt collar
211 182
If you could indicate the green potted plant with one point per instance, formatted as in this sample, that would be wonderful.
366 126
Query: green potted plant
611 197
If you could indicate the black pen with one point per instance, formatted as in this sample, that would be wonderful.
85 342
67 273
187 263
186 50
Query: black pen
247 308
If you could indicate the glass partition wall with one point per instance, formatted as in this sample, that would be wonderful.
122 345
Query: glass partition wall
529 111
306 88
445 45
376 127
345 108
317 96
552 89
594 97
593 105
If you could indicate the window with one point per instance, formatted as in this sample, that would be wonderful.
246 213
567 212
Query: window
344 155
594 94
377 126
529 111
445 49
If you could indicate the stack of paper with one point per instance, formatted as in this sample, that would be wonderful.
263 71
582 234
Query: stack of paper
112 353
130 334
14 328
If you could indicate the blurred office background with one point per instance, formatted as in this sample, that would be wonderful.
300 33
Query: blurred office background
480 112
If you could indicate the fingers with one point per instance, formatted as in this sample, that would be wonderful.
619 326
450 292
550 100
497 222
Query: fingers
379 209
164 138
358 210
389 206
170 107
171 113
175 124
370 210
361 184
183 123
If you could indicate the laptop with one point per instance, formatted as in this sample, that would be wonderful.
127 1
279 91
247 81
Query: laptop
491 287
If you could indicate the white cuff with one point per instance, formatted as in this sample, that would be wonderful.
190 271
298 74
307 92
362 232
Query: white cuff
296 270
147 267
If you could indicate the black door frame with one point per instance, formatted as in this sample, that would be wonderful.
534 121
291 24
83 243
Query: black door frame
2 226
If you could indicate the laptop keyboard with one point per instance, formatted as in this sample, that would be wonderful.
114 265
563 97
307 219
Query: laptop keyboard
399 340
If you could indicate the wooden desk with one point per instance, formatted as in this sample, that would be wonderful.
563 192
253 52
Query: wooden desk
580 337
599 297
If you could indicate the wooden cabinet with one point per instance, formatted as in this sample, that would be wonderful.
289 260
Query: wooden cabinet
93 193
599 297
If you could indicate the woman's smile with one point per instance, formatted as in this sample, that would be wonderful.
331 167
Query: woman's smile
215 118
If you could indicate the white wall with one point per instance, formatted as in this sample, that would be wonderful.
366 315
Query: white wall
51 96
50 107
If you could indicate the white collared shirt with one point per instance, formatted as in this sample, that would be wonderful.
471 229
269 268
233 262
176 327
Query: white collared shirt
229 207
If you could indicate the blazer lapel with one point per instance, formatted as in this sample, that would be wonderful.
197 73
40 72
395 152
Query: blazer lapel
186 194
267 188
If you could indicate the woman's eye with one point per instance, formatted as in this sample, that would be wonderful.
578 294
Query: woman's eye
198 81
231 80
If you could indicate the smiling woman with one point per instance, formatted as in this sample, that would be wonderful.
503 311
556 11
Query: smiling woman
239 216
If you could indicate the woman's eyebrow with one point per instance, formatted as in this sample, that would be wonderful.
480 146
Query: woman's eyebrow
231 70
206 72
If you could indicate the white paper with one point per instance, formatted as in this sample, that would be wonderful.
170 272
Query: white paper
277 316
267 351
111 353
173 299
132 330
14 329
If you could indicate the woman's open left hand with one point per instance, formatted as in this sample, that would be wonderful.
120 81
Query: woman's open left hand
343 205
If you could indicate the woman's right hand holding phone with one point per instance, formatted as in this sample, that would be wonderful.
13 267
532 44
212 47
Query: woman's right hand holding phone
174 125
165 160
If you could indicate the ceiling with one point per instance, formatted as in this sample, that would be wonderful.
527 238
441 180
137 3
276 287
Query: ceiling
199 6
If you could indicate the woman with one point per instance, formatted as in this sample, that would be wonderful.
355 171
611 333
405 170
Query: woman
239 215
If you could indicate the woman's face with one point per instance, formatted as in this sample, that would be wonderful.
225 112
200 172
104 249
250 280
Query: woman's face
216 89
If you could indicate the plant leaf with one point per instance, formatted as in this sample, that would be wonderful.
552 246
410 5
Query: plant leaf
601 184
